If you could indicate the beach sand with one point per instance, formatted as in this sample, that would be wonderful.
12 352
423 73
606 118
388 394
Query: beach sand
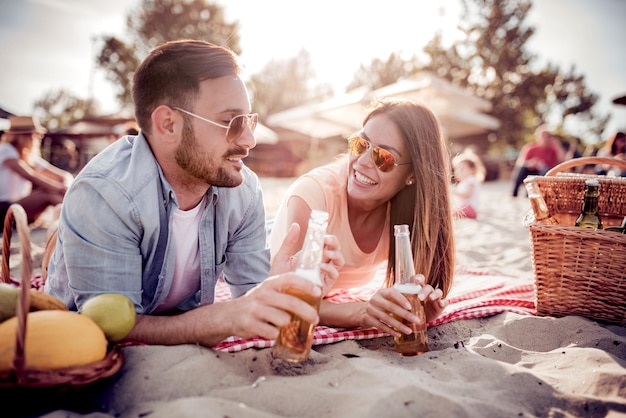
505 365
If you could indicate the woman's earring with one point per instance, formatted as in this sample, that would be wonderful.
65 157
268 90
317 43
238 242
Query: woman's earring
409 182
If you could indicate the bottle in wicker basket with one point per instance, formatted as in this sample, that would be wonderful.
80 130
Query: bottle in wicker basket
539 213
590 216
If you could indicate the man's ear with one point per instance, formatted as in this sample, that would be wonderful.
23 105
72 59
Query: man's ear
166 123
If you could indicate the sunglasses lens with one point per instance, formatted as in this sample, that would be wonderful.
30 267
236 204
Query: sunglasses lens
383 159
252 121
238 124
357 145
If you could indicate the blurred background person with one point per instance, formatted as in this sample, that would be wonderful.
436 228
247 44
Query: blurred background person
615 147
468 174
67 157
25 177
537 157
571 149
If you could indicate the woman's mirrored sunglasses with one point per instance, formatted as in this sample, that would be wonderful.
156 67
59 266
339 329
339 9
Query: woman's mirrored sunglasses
235 127
384 160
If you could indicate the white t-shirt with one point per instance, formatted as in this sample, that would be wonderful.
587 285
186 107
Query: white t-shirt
185 226
13 187
468 183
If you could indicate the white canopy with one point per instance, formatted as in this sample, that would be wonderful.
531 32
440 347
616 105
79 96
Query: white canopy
460 113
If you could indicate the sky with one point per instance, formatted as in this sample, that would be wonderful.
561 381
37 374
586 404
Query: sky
52 44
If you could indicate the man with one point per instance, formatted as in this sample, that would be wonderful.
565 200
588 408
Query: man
536 158
161 216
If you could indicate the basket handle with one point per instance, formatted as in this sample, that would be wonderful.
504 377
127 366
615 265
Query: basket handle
576 162
16 215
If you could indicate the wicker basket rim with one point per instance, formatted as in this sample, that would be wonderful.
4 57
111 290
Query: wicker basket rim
581 161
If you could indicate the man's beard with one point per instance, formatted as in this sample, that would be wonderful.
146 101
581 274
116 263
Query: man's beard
202 166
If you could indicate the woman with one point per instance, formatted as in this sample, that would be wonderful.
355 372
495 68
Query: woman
397 172
27 178
615 147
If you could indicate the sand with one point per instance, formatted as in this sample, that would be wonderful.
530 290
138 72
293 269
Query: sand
504 365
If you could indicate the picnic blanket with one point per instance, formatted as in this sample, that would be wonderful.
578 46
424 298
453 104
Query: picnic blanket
475 294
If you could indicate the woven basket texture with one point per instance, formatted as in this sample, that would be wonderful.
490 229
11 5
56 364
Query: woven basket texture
580 271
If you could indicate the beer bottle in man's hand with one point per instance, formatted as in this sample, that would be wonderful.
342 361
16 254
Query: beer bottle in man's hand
295 339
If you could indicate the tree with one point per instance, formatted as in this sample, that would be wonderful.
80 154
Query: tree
156 21
381 73
59 108
282 84
492 62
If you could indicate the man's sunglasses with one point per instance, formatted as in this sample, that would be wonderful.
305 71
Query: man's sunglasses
384 160
235 127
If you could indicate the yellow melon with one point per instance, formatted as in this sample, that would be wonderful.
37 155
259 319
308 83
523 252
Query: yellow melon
54 340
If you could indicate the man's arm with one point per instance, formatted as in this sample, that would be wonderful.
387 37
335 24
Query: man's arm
521 158
260 312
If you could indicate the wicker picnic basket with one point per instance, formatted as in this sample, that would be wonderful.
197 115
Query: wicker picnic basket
580 271
21 376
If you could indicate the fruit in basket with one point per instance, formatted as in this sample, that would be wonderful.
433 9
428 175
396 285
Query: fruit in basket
38 301
8 301
54 340
114 313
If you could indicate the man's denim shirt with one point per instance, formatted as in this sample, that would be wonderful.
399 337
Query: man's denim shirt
114 233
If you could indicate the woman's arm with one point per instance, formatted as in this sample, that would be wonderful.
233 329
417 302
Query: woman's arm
342 315
55 173
377 311
24 170
298 211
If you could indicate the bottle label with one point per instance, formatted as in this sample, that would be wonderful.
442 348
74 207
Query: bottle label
312 275
408 288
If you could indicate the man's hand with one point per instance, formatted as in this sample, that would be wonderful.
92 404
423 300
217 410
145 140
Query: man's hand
267 307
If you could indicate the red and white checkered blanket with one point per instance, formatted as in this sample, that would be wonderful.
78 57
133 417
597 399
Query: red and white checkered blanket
475 294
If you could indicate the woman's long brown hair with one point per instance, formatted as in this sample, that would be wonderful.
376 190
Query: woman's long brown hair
424 205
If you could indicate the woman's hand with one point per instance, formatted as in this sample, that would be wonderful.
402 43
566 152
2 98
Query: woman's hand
388 304
286 258
434 304
332 262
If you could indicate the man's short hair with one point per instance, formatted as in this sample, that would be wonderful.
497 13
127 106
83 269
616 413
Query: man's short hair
171 74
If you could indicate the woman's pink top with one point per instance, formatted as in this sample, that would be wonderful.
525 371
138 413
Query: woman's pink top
324 188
